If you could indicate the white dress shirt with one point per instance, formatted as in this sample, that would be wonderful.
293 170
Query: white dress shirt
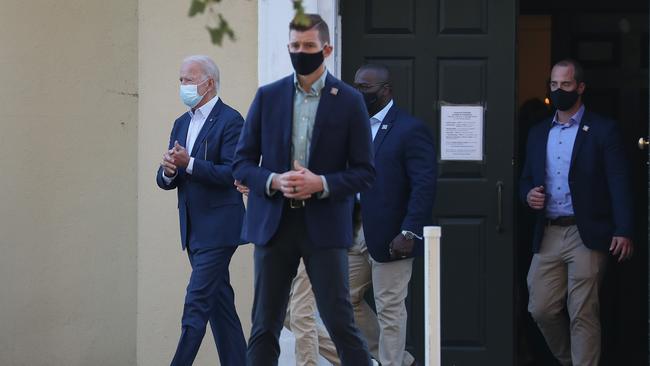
378 118
197 120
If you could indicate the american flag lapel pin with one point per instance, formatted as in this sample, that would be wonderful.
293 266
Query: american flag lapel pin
585 128
334 91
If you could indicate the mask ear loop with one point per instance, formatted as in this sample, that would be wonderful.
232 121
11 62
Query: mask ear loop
201 83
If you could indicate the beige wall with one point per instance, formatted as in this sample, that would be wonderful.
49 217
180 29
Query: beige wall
91 271
166 36
68 112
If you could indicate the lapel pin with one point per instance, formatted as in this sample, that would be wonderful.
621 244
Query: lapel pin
585 128
334 91
383 127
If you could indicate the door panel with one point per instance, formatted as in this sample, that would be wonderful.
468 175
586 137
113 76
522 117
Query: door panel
455 51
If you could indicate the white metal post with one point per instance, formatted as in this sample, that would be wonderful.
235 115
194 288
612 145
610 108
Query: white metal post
432 354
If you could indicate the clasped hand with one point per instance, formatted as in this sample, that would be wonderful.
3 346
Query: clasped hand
299 183
174 158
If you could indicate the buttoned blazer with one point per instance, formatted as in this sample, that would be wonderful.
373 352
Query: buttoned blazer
403 195
340 149
210 209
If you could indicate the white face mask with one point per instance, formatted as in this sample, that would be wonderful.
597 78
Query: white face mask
190 94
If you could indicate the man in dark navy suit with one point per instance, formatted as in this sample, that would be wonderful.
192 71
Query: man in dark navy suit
576 178
393 212
304 151
198 165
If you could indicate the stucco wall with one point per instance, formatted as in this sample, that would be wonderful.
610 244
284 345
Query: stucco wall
166 35
68 112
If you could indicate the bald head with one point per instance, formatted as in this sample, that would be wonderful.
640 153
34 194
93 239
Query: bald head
373 81
378 72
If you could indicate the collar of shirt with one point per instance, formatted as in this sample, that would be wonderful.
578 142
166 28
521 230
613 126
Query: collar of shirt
205 109
575 119
379 116
316 87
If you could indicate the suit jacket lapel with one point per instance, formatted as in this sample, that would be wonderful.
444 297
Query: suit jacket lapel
326 103
384 127
543 146
181 136
580 138
286 118
207 126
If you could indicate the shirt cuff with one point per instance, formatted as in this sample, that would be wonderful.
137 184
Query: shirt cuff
326 189
168 180
190 166
408 233
270 192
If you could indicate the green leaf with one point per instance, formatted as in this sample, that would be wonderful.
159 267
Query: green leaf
196 7
300 17
223 29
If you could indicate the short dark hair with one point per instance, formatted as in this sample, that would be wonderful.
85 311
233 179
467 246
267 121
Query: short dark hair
578 71
382 70
314 21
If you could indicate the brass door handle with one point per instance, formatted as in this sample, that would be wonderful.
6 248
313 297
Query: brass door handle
643 143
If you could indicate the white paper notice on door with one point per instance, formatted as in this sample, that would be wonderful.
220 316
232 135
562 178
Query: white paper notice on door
461 132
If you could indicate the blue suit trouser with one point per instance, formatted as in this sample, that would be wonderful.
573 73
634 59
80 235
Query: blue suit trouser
275 267
211 298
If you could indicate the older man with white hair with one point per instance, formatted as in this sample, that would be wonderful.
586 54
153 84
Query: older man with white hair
198 165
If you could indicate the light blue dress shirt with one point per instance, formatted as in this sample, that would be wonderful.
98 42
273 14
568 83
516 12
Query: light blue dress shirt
559 148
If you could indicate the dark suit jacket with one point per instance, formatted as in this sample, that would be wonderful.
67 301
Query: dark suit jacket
340 150
404 190
208 203
598 180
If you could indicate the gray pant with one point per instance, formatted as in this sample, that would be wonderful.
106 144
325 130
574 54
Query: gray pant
567 273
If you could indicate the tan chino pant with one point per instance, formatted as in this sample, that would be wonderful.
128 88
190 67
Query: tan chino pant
567 273
385 332
311 336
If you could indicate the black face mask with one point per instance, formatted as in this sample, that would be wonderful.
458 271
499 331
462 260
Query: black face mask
306 63
372 101
564 100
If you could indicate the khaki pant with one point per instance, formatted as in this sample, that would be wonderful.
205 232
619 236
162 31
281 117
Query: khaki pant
567 273
311 336
385 332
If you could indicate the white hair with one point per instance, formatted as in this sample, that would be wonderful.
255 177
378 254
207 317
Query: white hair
208 67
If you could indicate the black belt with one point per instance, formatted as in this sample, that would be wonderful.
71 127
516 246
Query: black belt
561 221
294 203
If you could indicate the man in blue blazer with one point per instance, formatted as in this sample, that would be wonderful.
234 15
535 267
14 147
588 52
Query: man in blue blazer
304 151
198 165
576 178
393 212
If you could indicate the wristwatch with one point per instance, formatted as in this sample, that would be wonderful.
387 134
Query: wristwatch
408 235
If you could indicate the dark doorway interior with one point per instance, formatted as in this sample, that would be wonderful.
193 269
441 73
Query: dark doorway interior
611 41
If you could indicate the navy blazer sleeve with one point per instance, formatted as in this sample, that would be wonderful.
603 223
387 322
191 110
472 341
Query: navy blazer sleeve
526 179
246 167
210 173
616 172
159 179
421 170
360 172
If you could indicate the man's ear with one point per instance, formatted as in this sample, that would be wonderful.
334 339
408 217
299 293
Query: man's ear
581 87
327 50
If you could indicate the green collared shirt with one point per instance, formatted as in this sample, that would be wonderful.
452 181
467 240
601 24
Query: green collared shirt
305 105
